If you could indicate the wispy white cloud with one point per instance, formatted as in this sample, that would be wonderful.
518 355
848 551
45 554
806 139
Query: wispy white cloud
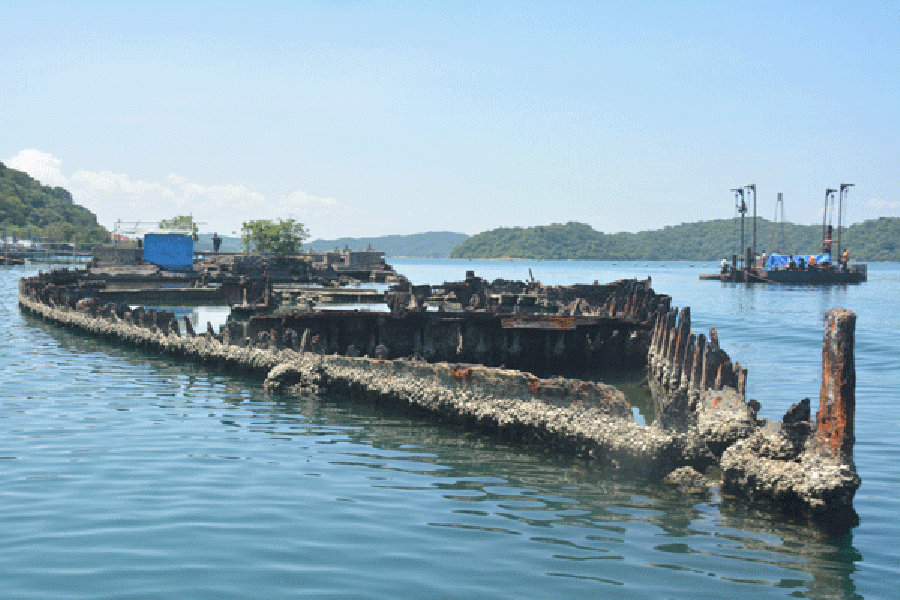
325 217
41 165
223 207
107 182
227 196
175 179
875 203
304 200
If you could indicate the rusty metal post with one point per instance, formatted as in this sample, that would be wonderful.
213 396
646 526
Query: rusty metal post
663 343
629 305
654 338
687 363
837 401
706 371
711 361
669 327
713 338
725 376
673 340
681 334
665 303
306 340
697 367
740 379
188 327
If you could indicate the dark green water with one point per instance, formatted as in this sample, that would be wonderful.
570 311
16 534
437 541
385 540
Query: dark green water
127 475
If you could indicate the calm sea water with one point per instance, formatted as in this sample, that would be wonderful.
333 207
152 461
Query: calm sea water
129 475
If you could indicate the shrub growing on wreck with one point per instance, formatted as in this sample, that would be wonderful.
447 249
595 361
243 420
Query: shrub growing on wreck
284 236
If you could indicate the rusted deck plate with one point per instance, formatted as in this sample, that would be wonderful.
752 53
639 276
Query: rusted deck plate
538 322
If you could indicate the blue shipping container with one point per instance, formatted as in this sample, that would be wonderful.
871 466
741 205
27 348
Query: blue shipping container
172 252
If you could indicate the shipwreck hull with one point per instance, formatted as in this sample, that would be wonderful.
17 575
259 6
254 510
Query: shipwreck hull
545 345
802 464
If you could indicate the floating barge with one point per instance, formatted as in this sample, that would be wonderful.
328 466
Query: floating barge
857 273
782 268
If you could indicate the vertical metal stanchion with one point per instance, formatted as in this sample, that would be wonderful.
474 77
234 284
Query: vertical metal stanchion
844 188
742 208
752 186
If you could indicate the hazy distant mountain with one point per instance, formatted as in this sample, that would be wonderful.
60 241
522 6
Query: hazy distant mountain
434 244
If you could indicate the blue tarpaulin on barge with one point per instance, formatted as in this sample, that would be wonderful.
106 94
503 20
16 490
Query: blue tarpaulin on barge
783 260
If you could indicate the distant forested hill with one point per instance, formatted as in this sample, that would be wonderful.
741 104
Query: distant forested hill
434 244
706 240
419 245
29 209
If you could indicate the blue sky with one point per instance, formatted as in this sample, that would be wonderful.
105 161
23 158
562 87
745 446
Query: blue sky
376 118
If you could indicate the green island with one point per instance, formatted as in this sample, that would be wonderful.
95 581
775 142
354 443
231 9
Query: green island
432 244
873 240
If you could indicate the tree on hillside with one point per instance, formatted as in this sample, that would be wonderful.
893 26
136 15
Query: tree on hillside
13 211
279 237
181 223
62 232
